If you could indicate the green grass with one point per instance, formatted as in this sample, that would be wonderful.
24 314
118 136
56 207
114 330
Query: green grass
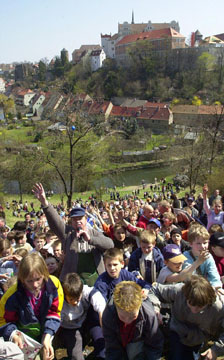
55 199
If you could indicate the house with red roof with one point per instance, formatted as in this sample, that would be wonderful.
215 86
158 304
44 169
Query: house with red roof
23 97
160 40
193 116
156 118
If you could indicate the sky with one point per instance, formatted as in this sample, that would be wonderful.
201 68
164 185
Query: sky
32 30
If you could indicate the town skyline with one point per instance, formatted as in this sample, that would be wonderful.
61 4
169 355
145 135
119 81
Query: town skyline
31 34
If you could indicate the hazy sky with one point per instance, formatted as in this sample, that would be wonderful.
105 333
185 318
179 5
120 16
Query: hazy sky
31 30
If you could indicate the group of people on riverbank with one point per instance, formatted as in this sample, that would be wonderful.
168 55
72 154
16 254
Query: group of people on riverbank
136 276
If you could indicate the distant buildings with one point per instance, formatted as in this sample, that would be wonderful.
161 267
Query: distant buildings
84 50
2 85
97 58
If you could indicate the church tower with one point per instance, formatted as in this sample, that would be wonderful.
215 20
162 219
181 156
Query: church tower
132 21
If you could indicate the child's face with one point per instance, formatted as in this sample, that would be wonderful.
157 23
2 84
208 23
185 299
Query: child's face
174 267
34 283
199 245
52 265
120 234
23 240
72 300
156 213
218 251
176 238
195 309
6 252
167 222
153 227
39 243
57 251
126 316
113 267
146 247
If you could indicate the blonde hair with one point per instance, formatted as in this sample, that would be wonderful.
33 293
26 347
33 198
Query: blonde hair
147 237
113 253
31 263
196 231
216 202
128 296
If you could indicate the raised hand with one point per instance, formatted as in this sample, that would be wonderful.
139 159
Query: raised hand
39 194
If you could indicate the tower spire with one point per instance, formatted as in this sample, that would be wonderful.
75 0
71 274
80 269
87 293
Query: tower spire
132 21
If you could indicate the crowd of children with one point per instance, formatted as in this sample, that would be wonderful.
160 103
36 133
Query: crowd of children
133 274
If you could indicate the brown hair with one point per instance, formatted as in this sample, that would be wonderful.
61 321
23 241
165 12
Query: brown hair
198 291
31 263
21 252
72 285
39 235
169 215
128 296
5 245
118 227
113 253
147 237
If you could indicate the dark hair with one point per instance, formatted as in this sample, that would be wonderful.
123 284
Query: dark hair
198 291
19 235
72 285
19 226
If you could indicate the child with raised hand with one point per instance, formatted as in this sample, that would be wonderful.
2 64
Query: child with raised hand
32 305
198 238
173 271
80 316
130 325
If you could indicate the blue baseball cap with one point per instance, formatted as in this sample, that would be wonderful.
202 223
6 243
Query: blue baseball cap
77 212
155 221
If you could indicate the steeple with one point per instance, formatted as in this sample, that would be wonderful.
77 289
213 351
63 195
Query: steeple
132 21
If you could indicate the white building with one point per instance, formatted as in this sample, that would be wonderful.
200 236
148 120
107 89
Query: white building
23 97
97 58
36 102
2 85
108 43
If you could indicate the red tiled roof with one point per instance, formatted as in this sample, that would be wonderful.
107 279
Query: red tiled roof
123 111
141 112
150 35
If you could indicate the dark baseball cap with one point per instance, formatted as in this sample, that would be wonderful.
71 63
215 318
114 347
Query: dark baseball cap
173 253
77 212
217 239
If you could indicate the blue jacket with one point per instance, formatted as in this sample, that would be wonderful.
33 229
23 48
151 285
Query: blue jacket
208 269
16 311
134 264
106 284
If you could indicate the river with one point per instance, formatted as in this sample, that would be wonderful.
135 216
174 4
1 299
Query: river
134 177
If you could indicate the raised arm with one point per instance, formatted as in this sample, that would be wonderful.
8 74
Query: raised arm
55 222
205 199
179 277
